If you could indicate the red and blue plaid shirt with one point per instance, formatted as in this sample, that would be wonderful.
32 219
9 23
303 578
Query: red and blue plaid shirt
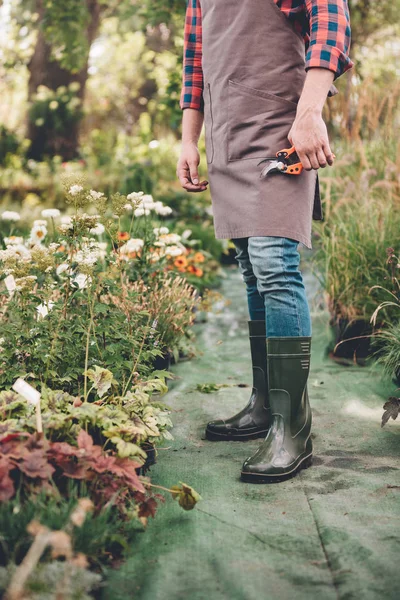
324 25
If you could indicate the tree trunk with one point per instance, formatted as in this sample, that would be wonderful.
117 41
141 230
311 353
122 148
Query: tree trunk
47 140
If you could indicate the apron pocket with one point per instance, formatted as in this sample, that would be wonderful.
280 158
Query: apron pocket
208 125
258 122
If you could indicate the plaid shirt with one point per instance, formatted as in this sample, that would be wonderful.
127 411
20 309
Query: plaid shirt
324 25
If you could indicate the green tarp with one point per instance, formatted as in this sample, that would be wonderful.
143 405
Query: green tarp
332 532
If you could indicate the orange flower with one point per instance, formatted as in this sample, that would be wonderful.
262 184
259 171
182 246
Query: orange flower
123 236
61 248
195 270
180 262
199 257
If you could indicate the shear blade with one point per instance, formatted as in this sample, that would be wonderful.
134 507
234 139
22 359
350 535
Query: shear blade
275 165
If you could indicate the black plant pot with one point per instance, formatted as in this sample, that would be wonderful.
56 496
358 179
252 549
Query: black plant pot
163 362
150 450
350 350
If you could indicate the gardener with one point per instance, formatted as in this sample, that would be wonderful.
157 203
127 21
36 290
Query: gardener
258 73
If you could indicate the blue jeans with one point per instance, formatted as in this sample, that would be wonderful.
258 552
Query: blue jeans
274 283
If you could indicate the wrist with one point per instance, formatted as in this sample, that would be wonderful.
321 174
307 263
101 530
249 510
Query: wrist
189 142
309 109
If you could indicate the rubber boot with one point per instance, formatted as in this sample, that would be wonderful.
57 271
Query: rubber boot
254 419
287 448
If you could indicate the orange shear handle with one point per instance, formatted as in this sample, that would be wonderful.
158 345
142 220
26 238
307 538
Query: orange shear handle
293 169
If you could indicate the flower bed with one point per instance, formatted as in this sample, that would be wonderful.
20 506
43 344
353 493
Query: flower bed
89 302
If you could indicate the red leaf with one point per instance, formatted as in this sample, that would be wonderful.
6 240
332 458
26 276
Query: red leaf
148 508
72 469
12 436
85 441
6 485
102 464
63 449
125 468
36 465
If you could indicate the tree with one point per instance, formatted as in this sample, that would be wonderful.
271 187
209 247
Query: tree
60 58
59 64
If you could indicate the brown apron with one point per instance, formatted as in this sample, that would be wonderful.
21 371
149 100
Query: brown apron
253 67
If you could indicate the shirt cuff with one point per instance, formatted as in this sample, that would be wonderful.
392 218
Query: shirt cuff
194 99
328 57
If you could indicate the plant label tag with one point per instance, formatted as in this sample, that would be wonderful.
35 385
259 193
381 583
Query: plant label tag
27 391
10 284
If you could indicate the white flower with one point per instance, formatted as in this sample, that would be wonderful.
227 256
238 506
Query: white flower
53 105
86 257
139 212
43 309
128 207
62 268
14 239
135 196
155 256
40 222
38 233
147 199
95 195
154 144
132 245
50 213
98 230
66 220
164 211
10 215
170 238
75 189
81 280
161 209
187 233
173 251
160 230
16 251
2 340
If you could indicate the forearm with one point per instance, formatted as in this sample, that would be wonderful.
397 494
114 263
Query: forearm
192 123
315 91
308 133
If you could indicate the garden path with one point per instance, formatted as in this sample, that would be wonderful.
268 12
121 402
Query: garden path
332 532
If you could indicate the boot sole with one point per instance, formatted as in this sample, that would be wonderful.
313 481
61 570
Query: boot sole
306 463
234 437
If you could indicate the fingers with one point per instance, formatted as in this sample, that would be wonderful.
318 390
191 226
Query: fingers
185 178
305 161
316 158
312 157
194 176
328 153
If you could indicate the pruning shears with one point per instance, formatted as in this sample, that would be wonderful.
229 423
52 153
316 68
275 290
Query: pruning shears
285 161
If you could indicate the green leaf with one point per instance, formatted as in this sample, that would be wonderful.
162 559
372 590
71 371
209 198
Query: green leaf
127 449
102 379
186 495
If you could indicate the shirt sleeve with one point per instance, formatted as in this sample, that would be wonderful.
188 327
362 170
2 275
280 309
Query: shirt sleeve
330 35
192 78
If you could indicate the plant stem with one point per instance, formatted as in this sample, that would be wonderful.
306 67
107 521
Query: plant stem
137 359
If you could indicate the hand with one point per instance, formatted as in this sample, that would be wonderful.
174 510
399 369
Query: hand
187 169
310 138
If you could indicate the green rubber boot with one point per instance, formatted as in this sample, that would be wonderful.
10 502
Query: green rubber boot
254 419
287 448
